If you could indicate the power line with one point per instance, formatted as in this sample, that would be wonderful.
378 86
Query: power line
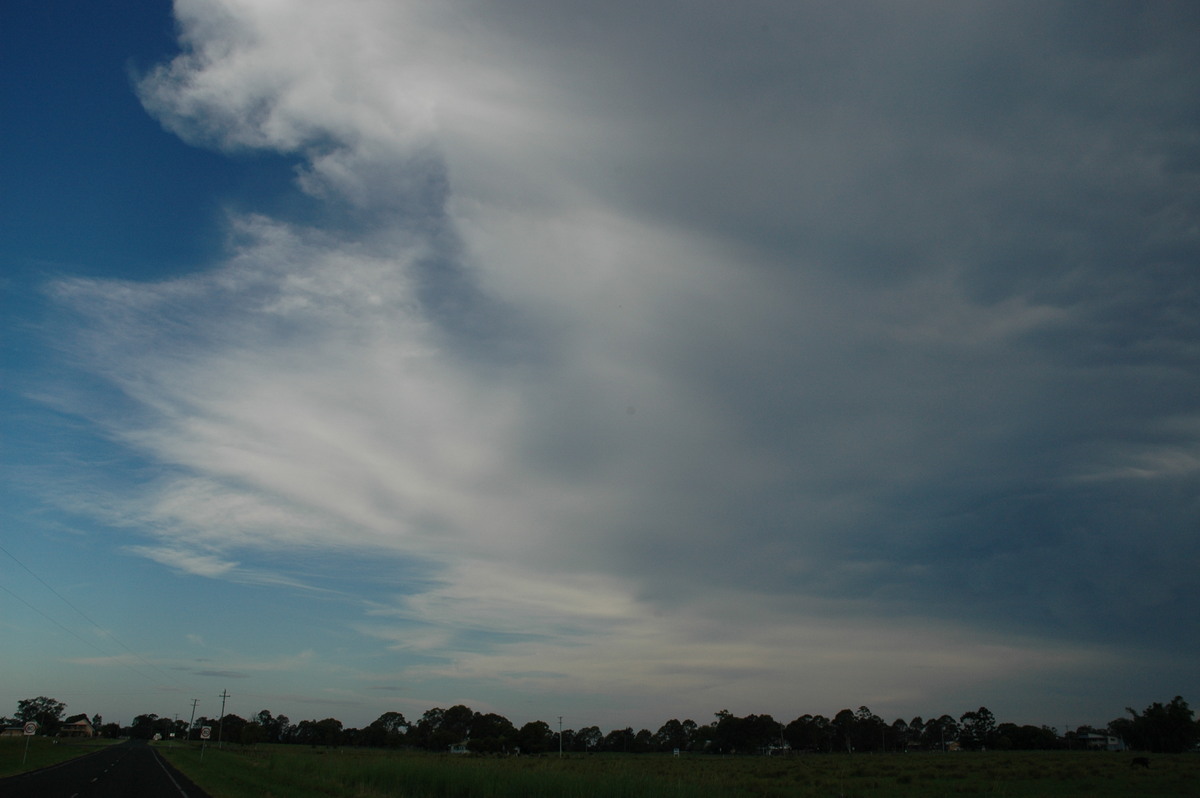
104 632
75 634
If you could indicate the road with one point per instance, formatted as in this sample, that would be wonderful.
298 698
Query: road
129 770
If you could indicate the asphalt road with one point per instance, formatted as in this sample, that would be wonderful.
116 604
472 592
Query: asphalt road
129 770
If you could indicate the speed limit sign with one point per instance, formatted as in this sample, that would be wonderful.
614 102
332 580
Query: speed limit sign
205 732
30 729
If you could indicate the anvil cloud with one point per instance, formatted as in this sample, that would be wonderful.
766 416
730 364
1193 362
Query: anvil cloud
676 356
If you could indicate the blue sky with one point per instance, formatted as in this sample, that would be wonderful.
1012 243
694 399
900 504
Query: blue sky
619 362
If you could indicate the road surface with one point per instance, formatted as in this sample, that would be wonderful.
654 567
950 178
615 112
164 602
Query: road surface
128 770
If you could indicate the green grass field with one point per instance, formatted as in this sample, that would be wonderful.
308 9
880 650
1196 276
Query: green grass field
298 772
43 752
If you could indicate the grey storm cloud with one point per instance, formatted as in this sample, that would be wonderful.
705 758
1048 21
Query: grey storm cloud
796 311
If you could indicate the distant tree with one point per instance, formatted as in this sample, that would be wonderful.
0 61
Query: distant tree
870 731
392 722
916 728
899 734
45 712
939 733
280 729
439 728
306 733
456 723
536 737
421 734
274 728
744 735
1160 728
1124 728
266 721
977 729
703 736
330 731
143 726
843 724
385 731
675 734
252 734
619 740
589 738
491 733
809 733
1010 736
229 729
327 732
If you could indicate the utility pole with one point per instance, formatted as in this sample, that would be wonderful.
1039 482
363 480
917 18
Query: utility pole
560 736
192 719
221 722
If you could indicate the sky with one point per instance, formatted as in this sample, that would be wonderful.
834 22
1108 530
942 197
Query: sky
617 361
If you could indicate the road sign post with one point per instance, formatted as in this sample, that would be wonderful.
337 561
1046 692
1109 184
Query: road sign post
29 730
205 734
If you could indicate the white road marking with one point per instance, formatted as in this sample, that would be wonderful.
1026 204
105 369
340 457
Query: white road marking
158 759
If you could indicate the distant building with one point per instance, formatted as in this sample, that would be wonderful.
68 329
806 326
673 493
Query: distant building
12 731
1094 741
460 748
76 726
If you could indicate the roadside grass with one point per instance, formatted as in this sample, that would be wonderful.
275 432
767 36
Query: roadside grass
299 772
43 752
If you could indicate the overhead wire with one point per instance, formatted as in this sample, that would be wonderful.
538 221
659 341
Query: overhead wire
76 635
107 634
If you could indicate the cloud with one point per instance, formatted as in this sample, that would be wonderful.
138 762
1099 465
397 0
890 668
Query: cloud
223 674
658 339
191 562
692 658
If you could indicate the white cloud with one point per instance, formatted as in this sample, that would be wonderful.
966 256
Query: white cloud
189 561
770 656
728 317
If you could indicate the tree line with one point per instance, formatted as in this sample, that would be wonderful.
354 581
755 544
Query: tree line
1165 728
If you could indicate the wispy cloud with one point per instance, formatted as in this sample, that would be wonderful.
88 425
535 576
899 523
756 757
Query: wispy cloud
222 674
189 561
657 354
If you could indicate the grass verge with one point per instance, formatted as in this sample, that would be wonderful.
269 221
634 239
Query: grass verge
43 752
